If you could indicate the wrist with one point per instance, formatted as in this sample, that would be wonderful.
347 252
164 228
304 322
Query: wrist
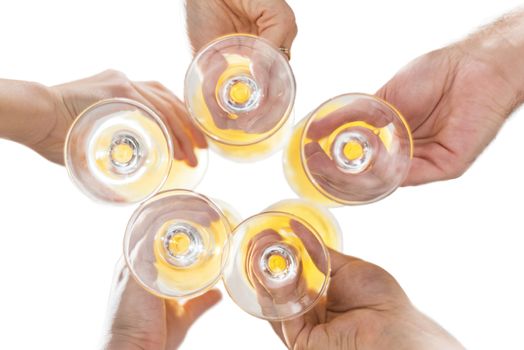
26 111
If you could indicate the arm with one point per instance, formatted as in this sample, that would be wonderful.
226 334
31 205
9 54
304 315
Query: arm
39 117
28 115
457 98
502 43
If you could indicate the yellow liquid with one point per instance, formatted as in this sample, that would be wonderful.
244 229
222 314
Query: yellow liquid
312 278
155 158
238 144
317 217
203 273
277 220
295 171
184 176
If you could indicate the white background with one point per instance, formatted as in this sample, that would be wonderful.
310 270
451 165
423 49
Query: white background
456 247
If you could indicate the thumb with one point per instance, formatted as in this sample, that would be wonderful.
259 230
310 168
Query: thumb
277 24
198 306
338 260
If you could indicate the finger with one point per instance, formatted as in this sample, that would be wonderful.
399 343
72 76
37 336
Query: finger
354 187
339 260
214 65
277 328
277 25
180 110
360 109
415 91
315 250
295 329
277 96
179 133
271 295
131 308
289 41
198 306
313 244
422 171
198 136
276 35
425 164
177 149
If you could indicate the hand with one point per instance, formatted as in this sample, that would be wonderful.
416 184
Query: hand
365 309
72 98
140 320
456 99
270 19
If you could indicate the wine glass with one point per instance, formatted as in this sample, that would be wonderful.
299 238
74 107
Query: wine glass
240 91
279 265
177 242
120 151
353 149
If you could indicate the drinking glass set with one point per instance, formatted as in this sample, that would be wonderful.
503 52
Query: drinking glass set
239 90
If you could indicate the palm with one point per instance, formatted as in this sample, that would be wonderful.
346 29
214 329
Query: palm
455 104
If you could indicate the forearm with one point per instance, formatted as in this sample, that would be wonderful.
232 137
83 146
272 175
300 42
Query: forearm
502 44
26 111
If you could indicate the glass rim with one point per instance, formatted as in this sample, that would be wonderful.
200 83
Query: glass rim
223 260
309 121
165 130
325 251
267 134
323 210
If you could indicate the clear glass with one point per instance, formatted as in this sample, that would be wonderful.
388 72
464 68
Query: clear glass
279 265
353 149
120 151
240 91
177 242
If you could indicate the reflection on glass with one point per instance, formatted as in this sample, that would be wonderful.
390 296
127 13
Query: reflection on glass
353 149
279 262
120 151
177 242
240 91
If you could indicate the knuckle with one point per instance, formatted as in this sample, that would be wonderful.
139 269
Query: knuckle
456 172
157 84
123 89
113 73
457 169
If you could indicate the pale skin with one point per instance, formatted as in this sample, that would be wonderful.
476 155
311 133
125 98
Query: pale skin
272 20
457 98
39 116
365 309
138 320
